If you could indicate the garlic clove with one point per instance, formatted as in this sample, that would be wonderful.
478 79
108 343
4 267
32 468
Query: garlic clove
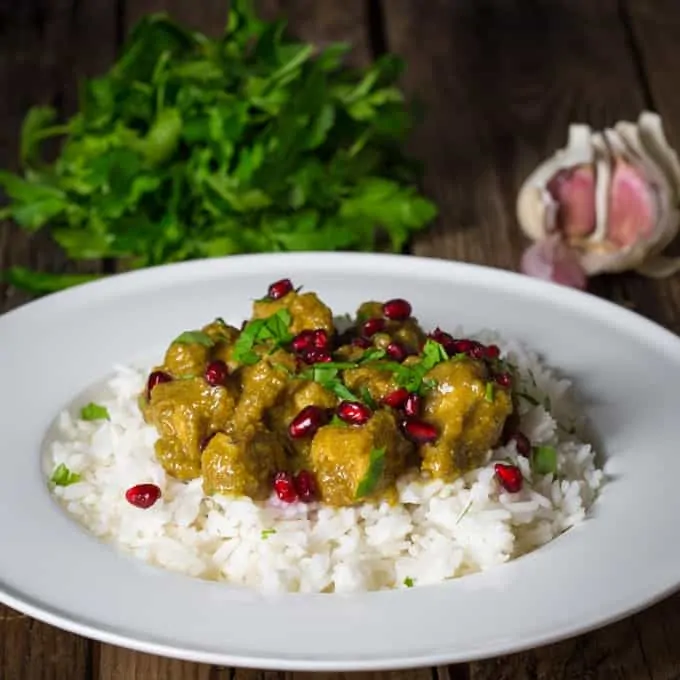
614 206
551 259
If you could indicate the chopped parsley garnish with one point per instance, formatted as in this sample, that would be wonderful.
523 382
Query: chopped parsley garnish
489 393
94 411
544 460
327 376
409 582
62 476
194 338
376 467
274 328
266 533
412 377
372 355
464 512
367 398
528 397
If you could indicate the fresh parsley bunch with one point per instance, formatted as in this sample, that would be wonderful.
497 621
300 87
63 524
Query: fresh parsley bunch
191 147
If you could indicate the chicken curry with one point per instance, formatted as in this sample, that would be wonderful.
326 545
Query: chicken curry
290 404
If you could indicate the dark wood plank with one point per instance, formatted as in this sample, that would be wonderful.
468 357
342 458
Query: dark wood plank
502 82
43 49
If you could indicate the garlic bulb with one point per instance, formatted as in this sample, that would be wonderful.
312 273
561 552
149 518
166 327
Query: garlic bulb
607 202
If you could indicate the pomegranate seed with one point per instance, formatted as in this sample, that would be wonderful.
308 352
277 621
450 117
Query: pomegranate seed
462 346
492 352
509 476
354 412
478 351
412 405
142 495
419 431
397 398
440 336
363 343
307 422
395 351
307 340
504 379
156 378
216 373
522 444
397 309
372 326
303 341
305 485
279 288
320 339
285 487
316 356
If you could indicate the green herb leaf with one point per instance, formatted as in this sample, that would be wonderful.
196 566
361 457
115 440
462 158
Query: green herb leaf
192 146
528 398
194 337
337 421
367 398
42 283
489 392
266 533
544 460
274 328
409 582
94 411
62 476
376 467
372 355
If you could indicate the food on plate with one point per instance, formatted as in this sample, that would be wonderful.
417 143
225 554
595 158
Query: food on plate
607 202
299 451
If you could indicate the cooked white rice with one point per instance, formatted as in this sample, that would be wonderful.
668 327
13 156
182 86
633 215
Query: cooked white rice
437 532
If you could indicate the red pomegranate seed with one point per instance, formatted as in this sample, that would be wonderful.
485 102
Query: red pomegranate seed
306 340
504 379
303 341
397 310
307 422
142 495
354 412
419 431
156 378
492 352
478 351
522 444
284 486
440 336
316 356
397 398
363 343
462 346
305 485
509 476
216 373
372 326
395 351
279 288
320 339
412 405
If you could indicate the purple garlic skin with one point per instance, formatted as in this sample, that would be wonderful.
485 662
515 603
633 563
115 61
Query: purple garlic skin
608 202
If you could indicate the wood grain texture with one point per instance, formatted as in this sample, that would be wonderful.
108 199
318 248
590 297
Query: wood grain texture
44 48
501 82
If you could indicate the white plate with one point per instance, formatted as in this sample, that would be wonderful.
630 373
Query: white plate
624 558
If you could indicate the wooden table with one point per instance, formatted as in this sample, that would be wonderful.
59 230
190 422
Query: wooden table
501 79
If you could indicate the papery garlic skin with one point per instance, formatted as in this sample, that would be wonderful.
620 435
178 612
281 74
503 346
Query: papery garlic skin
612 198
